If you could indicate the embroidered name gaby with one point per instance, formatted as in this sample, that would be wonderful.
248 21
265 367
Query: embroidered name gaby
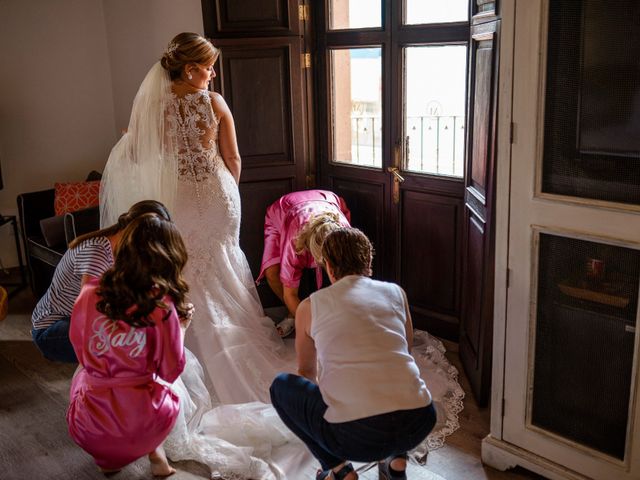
107 334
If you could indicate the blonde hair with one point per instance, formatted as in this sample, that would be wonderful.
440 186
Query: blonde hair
187 48
313 233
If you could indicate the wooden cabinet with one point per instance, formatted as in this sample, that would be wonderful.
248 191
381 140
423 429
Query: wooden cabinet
565 363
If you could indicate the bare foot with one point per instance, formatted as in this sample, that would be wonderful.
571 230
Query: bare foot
159 465
399 464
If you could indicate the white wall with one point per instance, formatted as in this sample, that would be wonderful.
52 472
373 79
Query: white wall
56 105
138 31
68 75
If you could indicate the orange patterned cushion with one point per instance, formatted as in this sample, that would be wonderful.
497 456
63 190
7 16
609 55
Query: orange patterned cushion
70 197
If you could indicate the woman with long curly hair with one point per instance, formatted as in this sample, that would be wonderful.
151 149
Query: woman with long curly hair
126 333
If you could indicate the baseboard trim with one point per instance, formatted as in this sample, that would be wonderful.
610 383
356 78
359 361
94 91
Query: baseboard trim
502 456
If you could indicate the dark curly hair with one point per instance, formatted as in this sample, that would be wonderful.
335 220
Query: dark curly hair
137 209
349 252
149 260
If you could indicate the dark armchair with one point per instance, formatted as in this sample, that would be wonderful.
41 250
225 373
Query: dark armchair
35 209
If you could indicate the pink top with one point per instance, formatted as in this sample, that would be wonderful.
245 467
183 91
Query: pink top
284 219
118 412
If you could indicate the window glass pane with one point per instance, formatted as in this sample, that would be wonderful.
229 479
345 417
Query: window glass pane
345 14
356 106
436 11
434 122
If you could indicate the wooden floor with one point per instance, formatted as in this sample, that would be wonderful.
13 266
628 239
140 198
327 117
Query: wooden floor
34 443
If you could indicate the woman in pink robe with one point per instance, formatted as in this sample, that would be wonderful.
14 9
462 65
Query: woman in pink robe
294 228
126 332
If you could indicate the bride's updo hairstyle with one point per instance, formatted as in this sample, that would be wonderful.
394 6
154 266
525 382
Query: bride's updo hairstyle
187 48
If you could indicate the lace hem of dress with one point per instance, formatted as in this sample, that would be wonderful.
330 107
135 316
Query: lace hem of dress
452 401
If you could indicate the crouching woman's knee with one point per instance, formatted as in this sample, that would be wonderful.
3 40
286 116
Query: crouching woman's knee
278 385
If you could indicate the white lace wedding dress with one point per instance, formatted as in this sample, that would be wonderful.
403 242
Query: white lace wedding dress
236 343
229 425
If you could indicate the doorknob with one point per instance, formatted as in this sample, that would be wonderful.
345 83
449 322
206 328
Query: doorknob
397 180
396 175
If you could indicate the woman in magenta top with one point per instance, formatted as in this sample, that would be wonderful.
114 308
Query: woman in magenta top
126 332
294 228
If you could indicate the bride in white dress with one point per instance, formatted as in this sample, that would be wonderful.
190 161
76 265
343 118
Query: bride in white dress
181 149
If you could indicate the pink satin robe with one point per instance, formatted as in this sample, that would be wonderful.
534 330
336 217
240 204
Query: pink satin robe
284 219
118 412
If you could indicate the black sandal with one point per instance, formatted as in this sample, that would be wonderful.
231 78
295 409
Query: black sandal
385 472
339 475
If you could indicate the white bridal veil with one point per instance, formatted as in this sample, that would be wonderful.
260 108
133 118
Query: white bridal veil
143 164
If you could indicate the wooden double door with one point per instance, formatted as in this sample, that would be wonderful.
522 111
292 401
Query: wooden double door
282 70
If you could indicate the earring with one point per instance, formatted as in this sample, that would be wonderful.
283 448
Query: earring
190 77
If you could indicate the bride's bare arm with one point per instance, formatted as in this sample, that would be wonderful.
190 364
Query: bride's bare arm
227 140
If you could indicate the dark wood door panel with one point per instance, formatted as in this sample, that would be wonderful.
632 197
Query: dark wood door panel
482 48
476 331
474 286
256 197
366 202
479 211
274 172
250 17
430 253
261 82
266 133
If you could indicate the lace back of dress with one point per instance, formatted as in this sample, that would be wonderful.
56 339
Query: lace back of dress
194 127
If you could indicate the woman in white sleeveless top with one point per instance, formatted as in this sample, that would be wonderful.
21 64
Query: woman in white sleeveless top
358 395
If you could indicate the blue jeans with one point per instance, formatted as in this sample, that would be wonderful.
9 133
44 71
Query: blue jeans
301 407
54 342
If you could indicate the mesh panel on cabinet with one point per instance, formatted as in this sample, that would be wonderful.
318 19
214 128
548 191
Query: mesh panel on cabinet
584 339
592 109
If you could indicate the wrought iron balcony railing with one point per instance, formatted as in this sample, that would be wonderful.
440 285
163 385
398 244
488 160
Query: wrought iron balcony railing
433 144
